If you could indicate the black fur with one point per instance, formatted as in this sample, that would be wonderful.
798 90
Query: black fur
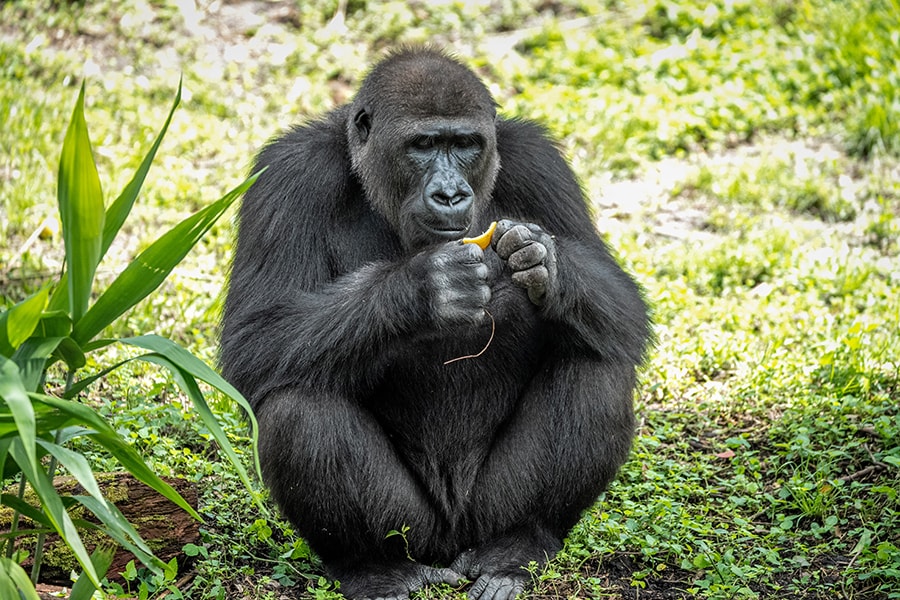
342 313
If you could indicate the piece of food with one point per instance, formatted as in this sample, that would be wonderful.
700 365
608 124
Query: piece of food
483 240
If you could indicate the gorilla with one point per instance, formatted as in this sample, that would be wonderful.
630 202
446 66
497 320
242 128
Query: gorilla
475 401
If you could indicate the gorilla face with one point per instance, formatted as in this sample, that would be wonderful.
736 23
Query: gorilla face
428 160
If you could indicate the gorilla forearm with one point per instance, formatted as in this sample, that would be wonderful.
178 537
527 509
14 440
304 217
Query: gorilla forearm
322 337
600 305
576 283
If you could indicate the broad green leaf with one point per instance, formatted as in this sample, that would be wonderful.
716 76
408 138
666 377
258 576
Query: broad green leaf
56 323
70 353
14 581
77 387
6 349
47 421
52 506
119 210
31 357
8 468
151 267
80 209
107 437
200 370
76 464
101 558
23 318
14 395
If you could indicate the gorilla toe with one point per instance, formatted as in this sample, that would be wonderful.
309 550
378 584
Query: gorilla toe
498 587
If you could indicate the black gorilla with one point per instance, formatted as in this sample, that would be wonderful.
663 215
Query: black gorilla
350 295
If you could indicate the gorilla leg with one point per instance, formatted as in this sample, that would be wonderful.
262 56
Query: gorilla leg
336 476
568 438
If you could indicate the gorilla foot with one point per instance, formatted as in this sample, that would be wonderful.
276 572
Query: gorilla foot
391 582
498 587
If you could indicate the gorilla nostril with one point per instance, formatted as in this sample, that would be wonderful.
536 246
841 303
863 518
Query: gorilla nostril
442 199
458 198
450 200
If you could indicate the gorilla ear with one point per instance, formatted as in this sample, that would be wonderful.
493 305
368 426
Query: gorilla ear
363 122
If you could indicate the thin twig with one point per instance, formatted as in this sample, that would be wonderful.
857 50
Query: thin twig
859 474
491 339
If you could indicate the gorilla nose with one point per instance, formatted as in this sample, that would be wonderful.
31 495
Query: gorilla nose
450 200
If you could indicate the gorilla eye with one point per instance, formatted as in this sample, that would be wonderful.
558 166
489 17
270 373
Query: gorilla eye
422 142
468 142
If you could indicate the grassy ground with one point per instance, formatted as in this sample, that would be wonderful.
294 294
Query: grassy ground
741 157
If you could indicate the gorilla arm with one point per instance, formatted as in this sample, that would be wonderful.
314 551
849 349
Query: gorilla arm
289 320
562 263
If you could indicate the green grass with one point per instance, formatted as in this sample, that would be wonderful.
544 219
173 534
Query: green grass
766 139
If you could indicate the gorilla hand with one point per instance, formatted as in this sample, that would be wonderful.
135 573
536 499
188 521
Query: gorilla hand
530 253
457 279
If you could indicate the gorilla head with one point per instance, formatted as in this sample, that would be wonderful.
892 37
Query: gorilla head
423 143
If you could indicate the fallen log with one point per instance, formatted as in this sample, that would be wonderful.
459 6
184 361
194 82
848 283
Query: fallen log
164 526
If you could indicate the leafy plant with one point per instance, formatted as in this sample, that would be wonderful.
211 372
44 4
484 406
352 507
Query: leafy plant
58 325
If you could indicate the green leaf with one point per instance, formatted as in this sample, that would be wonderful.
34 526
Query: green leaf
52 506
23 318
200 370
14 581
31 357
118 211
24 508
130 573
80 209
117 526
70 353
15 397
146 272
101 558
107 437
187 383
56 323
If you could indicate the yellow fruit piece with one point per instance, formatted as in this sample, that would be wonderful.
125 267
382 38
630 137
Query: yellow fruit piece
483 240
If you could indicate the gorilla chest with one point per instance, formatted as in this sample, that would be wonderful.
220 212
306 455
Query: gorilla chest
446 396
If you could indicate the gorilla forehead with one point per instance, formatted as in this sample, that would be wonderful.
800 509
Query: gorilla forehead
425 83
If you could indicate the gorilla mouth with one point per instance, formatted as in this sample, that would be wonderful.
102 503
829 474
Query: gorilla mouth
442 229
448 234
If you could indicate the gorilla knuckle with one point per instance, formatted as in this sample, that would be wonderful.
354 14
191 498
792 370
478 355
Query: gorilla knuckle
513 240
530 255
535 277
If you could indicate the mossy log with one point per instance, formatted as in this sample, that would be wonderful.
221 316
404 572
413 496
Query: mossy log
164 526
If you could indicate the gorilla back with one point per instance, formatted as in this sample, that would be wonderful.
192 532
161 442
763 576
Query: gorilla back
350 295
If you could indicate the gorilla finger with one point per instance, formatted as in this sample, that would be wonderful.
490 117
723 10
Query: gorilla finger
478 588
448 576
469 253
503 225
465 563
536 277
512 240
531 255
481 271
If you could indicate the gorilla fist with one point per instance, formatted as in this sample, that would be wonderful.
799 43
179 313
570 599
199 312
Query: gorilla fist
530 253
457 279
